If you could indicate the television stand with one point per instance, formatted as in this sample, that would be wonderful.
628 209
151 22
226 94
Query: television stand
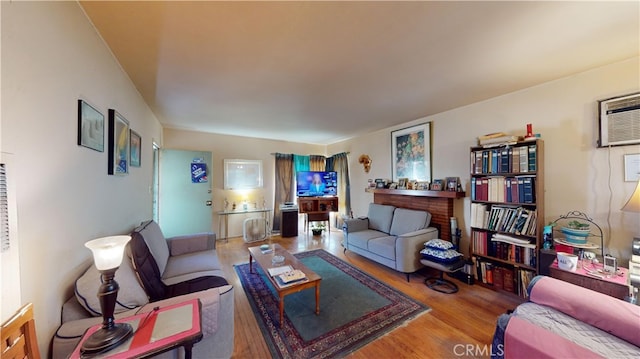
317 209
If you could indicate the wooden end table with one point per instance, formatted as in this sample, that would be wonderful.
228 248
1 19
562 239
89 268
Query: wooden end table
155 332
264 261
615 286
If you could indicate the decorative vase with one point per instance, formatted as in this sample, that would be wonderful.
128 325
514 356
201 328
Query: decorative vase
316 231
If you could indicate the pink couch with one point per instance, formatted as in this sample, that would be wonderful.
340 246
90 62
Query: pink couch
562 320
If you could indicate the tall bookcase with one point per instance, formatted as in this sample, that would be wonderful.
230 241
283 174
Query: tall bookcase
507 214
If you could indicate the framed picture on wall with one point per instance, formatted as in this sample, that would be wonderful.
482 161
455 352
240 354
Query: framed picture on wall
118 144
632 167
90 127
135 141
411 153
242 174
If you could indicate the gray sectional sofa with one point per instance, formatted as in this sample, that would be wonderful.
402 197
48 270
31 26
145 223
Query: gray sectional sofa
158 272
390 236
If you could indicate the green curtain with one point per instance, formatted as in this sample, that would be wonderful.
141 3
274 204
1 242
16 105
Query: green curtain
300 163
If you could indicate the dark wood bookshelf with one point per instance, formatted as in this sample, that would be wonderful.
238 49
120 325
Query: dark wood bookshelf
537 205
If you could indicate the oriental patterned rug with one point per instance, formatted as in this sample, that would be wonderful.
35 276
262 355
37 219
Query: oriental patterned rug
355 309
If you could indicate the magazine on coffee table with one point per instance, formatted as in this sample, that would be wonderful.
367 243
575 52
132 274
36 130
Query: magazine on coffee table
279 270
291 278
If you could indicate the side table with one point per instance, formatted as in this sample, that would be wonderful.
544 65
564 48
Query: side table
155 332
616 286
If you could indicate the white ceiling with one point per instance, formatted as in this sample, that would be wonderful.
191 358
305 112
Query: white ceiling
321 72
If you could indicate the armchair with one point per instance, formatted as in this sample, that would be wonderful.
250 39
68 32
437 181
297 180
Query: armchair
158 272
174 266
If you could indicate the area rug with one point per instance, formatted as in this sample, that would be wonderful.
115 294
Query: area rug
355 309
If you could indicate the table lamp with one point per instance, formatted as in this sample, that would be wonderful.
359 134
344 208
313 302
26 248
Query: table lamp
633 205
107 255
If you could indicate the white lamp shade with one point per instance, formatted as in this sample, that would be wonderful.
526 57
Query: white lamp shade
633 204
108 251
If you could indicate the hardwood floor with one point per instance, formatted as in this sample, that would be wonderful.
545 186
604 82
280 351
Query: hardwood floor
459 325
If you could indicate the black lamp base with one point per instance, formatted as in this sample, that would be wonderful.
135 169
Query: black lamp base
106 339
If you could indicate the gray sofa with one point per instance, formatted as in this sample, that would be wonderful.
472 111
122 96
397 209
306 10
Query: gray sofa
158 272
390 236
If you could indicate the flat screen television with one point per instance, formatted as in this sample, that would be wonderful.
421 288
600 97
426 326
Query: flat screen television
316 183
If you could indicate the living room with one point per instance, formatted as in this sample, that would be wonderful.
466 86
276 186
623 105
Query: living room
71 199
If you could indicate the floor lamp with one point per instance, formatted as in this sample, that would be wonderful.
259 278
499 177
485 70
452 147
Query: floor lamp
107 255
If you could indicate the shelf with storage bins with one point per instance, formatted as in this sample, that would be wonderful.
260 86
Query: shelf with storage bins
507 214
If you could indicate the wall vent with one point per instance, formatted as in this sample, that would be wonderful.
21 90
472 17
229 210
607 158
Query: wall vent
4 211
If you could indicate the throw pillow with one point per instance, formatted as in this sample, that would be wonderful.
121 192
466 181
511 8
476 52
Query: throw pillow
131 294
439 244
440 256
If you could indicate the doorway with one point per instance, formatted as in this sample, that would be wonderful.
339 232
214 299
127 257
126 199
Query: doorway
184 192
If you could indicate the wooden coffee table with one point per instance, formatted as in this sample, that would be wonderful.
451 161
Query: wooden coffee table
264 261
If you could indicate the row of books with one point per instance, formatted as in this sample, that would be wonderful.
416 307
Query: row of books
509 159
518 189
516 220
503 247
514 280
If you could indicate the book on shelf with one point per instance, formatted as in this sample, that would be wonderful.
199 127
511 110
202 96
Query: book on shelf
516 159
524 158
495 245
516 220
498 278
505 161
532 158
524 279
518 189
497 138
508 280
473 187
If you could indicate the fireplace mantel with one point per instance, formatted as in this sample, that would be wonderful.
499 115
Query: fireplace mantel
438 203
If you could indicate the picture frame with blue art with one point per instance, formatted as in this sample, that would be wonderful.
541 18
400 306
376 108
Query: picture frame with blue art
119 144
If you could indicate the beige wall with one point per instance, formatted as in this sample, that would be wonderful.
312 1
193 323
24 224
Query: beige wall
236 147
51 57
564 112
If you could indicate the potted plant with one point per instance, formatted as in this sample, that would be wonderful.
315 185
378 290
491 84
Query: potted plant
317 229
576 232
578 225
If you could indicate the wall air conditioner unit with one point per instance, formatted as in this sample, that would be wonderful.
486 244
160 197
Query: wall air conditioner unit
619 121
